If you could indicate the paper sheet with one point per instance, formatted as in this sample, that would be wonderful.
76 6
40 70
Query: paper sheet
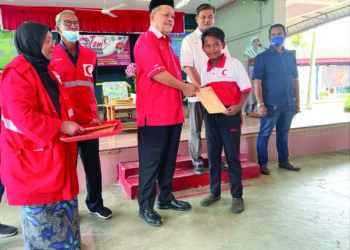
210 100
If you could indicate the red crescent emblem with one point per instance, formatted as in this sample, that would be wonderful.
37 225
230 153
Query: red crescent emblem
89 69
224 72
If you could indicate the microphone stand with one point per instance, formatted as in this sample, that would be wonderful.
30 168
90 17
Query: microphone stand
262 46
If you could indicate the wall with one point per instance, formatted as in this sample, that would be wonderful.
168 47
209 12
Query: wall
302 141
190 21
240 21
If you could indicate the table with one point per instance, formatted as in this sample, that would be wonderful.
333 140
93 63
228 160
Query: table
112 109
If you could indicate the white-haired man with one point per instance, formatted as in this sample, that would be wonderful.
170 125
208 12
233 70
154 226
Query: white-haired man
76 66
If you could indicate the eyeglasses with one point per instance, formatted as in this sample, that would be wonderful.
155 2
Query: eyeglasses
68 23
50 42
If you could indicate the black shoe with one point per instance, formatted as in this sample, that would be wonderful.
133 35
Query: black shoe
199 170
224 166
6 231
288 165
102 212
175 204
151 217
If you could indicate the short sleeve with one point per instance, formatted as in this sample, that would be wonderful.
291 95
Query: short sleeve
202 73
242 77
147 55
258 70
186 53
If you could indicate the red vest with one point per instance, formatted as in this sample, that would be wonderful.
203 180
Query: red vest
36 167
78 81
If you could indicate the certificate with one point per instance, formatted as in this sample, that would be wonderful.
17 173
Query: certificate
210 100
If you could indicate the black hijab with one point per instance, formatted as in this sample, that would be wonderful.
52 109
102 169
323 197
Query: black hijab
29 40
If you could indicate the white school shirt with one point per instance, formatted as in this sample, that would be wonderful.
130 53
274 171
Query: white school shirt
228 79
193 55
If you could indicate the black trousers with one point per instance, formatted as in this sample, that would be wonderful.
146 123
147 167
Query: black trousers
224 131
90 156
157 148
2 189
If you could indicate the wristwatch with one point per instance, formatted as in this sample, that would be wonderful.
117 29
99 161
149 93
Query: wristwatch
260 105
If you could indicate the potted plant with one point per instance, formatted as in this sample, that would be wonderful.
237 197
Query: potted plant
130 72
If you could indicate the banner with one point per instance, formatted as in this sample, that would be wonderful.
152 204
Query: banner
176 41
112 50
7 47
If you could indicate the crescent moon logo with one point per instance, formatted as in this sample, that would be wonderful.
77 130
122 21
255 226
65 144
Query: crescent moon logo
88 68
224 72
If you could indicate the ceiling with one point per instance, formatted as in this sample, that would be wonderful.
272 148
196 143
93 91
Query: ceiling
189 6
300 14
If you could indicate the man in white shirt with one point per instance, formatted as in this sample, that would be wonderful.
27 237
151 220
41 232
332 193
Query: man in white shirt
192 60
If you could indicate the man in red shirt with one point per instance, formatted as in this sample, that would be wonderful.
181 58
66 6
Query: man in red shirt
76 66
160 115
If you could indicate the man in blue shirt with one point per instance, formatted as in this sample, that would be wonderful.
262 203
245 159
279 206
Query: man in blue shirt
277 92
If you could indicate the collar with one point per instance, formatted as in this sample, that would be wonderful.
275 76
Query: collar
198 32
65 48
221 64
156 32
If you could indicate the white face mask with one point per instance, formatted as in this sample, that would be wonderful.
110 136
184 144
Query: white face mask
71 36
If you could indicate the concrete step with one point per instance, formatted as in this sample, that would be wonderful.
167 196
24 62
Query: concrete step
184 178
127 169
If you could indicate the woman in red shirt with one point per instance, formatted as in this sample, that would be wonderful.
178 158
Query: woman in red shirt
37 169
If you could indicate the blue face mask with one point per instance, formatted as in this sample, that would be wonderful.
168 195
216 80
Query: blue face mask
71 36
277 41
